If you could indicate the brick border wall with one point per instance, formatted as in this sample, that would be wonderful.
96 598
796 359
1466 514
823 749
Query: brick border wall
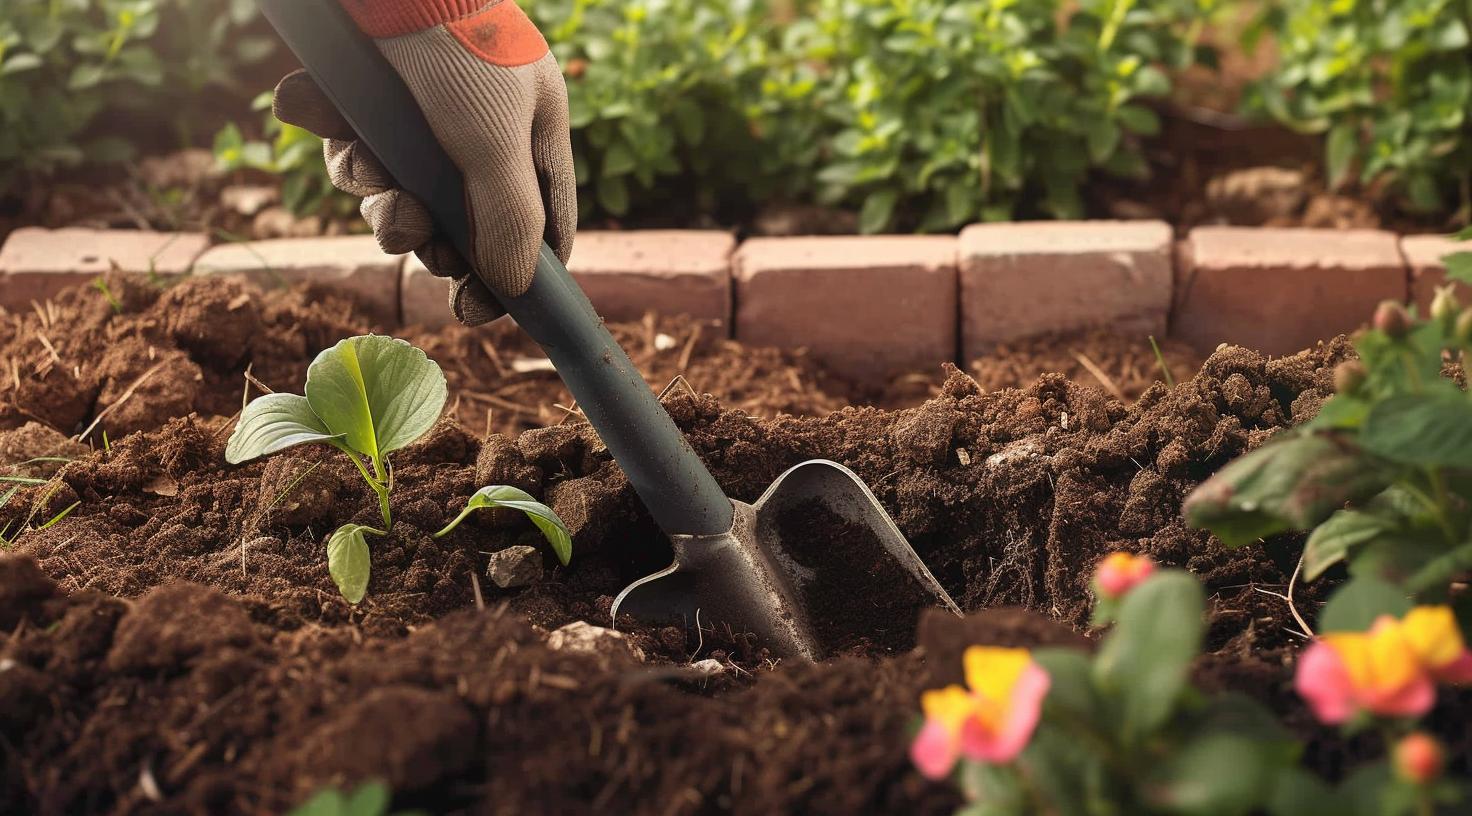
868 305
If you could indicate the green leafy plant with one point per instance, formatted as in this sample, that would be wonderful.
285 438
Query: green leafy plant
368 396
1380 480
65 62
290 153
1387 83
368 799
954 111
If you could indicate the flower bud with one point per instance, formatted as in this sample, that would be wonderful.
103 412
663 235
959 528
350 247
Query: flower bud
1464 328
1444 306
1418 758
1391 318
1349 377
1121 572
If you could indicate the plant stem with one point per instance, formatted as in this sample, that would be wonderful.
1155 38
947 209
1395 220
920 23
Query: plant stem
381 487
455 523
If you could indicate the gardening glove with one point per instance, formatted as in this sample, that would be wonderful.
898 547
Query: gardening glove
496 100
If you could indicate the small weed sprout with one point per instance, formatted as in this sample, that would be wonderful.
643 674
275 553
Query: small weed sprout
369 396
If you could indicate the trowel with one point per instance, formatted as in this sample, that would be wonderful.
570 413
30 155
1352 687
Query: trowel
733 562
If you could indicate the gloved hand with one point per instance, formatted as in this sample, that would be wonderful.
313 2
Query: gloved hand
496 100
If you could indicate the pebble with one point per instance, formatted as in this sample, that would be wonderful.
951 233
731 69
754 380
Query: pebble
515 567
581 636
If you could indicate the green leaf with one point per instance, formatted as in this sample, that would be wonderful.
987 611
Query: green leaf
1331 541
1070 692
1215 774
274 423
377 392
878 210
619 160
1356 605
613 194
1293 482
1139 120
1145 660
348 562
1459 266
1299 793
370 799
552 527
1429 430
85 76
1340 150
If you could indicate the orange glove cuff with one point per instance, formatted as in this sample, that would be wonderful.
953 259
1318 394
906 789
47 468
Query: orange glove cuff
395 18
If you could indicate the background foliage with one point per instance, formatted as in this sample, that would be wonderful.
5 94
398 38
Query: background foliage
917 114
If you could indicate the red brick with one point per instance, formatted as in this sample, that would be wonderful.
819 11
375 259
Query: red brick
352 266
869 307
1281 290
1026 279
37 263
626 274
1423 254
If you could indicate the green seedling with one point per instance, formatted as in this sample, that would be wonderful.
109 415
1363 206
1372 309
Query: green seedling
1170 381
368 396
368 799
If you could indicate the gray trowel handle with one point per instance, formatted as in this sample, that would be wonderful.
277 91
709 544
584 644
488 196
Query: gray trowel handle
680 493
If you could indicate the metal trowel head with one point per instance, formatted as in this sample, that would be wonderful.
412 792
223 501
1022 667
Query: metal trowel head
815 566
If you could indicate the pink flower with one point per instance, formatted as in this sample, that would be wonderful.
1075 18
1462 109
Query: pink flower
1121 572
1389 671
991 721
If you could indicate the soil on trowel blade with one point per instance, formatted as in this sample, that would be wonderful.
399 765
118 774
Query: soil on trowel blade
858 596
175 644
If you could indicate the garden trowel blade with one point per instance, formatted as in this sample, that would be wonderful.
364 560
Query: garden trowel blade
787 588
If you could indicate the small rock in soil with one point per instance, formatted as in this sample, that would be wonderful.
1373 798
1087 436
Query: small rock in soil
584 637
1256 195
515 567
709 667
20 448
248 199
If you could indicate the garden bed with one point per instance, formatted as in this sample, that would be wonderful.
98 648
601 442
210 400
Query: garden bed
176 645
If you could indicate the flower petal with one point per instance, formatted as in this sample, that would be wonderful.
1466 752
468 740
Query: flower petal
935 750
1323 680
1019 721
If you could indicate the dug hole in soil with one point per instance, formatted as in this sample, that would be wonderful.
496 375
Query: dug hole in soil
175 644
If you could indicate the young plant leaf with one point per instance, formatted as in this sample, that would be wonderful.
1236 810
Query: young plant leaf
1422 429
1145 661
1215 774
1356 605
1459 266
348 561
541 515
1331 541
1293 482
273 423
378 393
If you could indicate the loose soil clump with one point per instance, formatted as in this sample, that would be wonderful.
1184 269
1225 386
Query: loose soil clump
176 645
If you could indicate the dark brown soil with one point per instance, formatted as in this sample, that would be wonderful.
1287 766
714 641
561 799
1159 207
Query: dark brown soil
175 645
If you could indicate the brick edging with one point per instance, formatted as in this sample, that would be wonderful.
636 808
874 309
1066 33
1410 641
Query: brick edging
868 305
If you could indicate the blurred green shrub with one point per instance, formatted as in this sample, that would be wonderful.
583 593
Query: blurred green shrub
1388 83
65 62
954 110
287 151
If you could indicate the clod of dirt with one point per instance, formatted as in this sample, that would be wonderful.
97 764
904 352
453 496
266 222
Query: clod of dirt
501 462
944 638
142 383
174 623
215 319
1123 366
22 585
924 435
31 451
1257 195
297 491
515 567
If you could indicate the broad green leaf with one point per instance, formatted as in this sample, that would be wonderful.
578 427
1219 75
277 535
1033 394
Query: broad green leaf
1215 775
1070 691
1299 793
1331 541
878 210
348 561
1459 266
541 515
613 194
1356 605
272 423
1293 482
1343 144
1428 430
379 393
1145 660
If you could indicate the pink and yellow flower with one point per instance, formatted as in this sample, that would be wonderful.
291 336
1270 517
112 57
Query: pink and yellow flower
1389 671
1121 572
991 721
